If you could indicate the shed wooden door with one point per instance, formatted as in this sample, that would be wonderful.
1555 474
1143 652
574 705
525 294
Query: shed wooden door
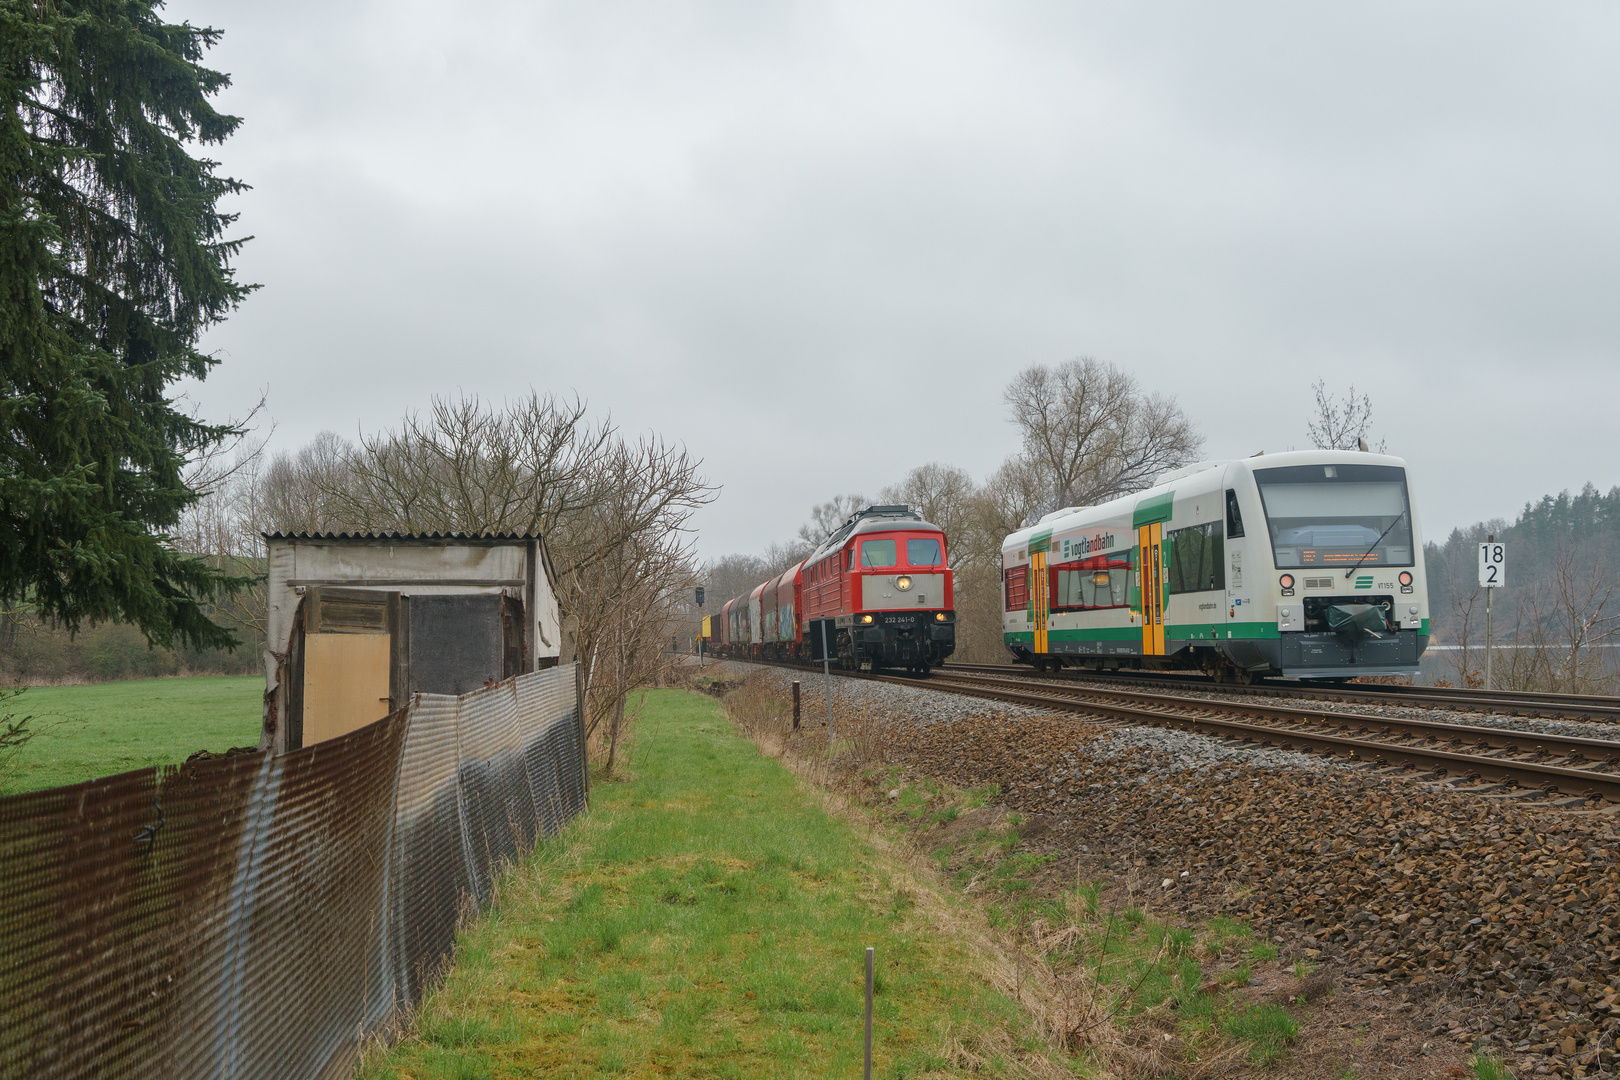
345 683
348 660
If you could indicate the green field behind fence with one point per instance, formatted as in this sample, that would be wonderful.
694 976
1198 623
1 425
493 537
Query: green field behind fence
707 918
81 732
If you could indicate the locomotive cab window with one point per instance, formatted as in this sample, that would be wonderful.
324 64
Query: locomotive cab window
878 553
923 551
1337 515
1234 516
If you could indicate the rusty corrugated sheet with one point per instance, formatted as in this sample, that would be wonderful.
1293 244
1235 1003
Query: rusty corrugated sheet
255 916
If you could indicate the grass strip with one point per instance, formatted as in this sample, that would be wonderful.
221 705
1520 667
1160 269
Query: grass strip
709 917
82 732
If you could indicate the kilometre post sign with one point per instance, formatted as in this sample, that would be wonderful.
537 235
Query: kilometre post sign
1492 566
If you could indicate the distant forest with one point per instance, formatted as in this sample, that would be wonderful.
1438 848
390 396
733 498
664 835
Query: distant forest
35 652
1563 569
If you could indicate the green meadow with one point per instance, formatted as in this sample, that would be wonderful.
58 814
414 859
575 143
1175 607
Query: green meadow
708 918
82 732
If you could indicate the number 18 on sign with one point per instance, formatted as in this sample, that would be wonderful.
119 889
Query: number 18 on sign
1492 565
1492 574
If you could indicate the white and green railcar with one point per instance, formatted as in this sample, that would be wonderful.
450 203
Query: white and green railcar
1307 564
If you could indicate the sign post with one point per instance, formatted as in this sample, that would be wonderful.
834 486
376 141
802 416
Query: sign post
1492 573
701 643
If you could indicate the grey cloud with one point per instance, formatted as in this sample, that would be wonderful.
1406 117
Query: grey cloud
815 240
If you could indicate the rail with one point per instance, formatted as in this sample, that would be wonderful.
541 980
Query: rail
1507 702
1577 769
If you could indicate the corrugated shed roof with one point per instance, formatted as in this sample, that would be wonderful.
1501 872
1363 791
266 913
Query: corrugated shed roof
402 537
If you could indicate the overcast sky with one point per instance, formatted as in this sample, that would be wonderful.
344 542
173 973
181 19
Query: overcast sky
814 241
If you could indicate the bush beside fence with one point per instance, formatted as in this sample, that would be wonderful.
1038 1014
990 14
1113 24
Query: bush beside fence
259 915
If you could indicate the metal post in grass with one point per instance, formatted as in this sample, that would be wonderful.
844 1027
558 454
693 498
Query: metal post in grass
795 704
826 671
868 1073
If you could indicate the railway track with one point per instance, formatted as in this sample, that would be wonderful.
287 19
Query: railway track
1504 702
1566 771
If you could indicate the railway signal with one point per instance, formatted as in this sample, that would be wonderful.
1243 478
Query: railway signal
1492 576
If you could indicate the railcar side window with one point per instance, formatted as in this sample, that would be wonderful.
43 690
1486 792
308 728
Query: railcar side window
1337 515
1197 558
878 553
1097 582
1018 588
923 551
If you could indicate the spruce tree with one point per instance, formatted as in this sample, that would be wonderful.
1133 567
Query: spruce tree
113 260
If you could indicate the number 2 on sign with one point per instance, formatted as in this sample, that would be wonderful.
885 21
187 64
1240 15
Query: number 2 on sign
1492 565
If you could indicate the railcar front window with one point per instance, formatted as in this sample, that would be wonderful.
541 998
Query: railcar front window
878 553
1337 515
923 552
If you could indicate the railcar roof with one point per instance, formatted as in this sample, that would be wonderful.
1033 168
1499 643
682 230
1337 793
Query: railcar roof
1197 475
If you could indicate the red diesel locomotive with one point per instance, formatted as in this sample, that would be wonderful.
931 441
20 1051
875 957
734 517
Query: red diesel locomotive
878 591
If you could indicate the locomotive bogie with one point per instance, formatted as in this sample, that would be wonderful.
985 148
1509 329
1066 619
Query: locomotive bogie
1306 564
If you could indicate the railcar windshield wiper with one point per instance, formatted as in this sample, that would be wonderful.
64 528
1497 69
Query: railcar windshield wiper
1375 544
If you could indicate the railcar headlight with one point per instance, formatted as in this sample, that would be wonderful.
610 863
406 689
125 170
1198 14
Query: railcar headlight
939 616
866 618
1287 583
902 583
1406 577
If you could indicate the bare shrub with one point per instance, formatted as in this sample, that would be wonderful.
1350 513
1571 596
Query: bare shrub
1340 425
615 513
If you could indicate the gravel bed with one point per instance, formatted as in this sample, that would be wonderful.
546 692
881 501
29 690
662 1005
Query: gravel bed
1581 729
1489 920
1171 751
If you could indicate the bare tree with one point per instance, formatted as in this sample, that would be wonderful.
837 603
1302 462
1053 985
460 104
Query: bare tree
627 601
942 494
826 518
1580 602
1463 668
223 526
1090 434
1340 425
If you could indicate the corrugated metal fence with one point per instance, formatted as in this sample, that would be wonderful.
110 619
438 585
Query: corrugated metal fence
256 916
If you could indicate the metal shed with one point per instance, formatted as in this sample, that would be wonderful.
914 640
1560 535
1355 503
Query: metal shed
358 623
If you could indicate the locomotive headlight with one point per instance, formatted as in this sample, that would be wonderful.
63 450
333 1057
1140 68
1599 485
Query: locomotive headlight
866 618
1100 578
939 616
902 583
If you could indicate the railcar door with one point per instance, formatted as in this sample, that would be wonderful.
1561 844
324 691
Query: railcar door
1039 590
1150 539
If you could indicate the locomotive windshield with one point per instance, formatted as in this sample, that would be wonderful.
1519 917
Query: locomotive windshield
877 553
1337 515
923 552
